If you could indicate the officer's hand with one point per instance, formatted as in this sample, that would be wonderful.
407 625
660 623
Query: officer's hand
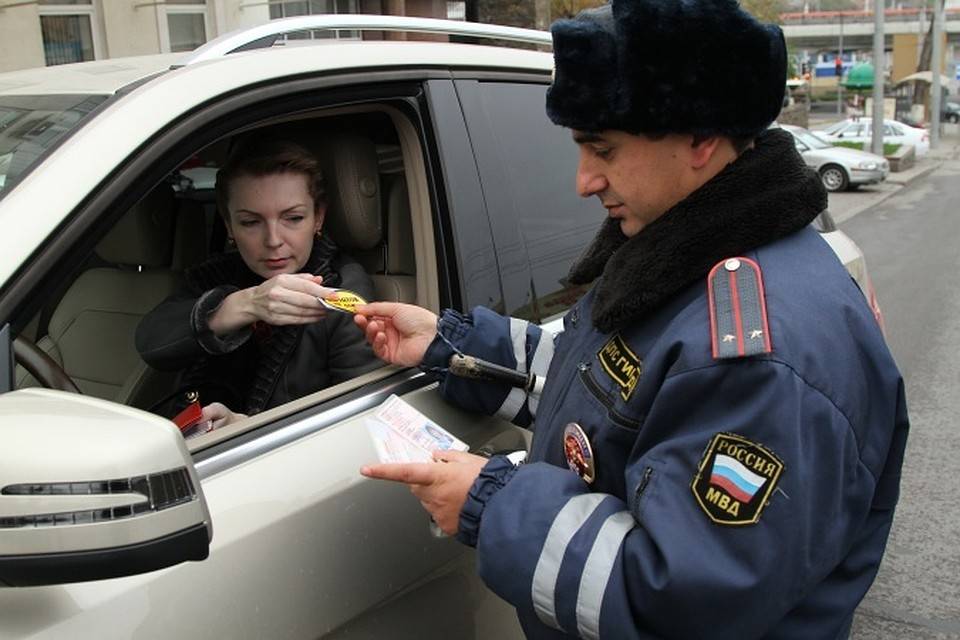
442 488
398 333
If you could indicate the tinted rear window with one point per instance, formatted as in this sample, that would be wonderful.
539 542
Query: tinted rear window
553 223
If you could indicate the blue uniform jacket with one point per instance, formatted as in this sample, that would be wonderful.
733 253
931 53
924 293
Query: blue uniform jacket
657 546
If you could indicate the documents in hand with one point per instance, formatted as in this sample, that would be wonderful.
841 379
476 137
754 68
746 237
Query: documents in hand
403 434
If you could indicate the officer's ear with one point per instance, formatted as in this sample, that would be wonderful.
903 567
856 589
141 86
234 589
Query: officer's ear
703 149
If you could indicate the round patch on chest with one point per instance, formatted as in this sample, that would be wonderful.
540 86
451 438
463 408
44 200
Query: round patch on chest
579 455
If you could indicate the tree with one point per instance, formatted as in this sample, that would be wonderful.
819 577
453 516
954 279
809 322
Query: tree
764 10
530 14
570 8
920 90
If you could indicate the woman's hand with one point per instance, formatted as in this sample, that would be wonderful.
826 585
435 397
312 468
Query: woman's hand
288 298
218 415
398 333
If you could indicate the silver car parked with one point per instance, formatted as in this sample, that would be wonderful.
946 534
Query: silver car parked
840 168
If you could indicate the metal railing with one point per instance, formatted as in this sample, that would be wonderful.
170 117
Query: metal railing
265 35
889 15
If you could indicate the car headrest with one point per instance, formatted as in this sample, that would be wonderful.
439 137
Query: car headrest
144 235
352 183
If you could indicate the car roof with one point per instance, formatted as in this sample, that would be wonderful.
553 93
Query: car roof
149 107
109 76
95 77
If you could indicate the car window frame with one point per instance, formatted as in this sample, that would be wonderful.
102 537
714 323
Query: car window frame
148 165
518 277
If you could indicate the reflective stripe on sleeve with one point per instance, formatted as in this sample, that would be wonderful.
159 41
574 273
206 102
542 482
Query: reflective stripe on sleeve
597 570
543 354
540 364
571 517
513 403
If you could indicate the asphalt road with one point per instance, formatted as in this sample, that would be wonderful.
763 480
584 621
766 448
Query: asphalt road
911 243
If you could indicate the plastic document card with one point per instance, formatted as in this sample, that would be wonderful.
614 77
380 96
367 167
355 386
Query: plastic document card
403 434
343 300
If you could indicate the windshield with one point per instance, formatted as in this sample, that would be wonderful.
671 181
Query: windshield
31 125
836 127
809 139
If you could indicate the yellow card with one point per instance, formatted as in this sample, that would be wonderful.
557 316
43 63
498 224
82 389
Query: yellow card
343 300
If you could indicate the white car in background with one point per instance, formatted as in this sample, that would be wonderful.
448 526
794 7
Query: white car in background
861 130
840 168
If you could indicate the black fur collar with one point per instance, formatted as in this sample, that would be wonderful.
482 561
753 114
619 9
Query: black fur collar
766 194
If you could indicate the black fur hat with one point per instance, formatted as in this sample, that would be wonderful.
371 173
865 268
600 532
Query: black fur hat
705 67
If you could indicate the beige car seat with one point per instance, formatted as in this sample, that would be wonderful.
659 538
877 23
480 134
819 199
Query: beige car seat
377 234
90 333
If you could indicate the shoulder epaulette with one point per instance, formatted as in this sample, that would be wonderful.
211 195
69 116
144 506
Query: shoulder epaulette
738 311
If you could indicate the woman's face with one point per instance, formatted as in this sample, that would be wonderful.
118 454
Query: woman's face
273 221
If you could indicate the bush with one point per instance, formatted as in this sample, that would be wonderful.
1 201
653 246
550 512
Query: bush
888 148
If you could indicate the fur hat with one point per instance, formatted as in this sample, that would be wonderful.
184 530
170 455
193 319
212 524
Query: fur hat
705 67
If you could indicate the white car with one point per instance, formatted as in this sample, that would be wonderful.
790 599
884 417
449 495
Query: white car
839 168
106 197
861 130
264 528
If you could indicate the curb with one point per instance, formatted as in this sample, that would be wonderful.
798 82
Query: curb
933 166
850 214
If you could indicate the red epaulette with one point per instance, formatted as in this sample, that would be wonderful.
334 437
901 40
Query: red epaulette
738 310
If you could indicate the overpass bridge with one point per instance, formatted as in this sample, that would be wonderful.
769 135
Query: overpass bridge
821 30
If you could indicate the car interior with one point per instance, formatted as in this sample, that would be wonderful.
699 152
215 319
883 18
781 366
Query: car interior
87 325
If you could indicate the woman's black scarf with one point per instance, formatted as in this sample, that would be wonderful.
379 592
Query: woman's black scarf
766 194
274 344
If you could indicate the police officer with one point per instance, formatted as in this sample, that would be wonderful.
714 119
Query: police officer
717 449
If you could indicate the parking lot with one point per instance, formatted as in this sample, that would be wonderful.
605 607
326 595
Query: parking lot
847 204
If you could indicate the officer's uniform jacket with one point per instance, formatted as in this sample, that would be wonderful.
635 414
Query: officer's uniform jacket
743 486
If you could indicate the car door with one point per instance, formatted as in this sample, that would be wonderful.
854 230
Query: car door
303 546
856 132
527 168
893 135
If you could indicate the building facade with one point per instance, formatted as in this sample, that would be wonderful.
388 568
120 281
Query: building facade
36 33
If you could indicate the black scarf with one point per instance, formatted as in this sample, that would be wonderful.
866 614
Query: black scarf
766 194
275 344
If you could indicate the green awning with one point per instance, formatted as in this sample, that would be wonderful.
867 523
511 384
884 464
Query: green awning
860 76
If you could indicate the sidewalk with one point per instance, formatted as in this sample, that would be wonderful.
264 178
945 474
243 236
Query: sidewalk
948 149
846 205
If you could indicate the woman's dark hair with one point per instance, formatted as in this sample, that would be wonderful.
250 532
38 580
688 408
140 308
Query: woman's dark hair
263 156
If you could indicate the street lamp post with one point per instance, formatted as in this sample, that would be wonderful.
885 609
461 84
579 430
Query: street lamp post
840 70
936 64
879 62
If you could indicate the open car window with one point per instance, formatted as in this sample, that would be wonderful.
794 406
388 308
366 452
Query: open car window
373 171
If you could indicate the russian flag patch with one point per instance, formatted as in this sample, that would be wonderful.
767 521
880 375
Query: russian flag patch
735 479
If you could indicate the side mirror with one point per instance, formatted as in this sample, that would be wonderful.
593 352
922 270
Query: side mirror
90 490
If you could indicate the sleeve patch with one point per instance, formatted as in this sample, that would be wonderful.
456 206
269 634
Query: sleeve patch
735 479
